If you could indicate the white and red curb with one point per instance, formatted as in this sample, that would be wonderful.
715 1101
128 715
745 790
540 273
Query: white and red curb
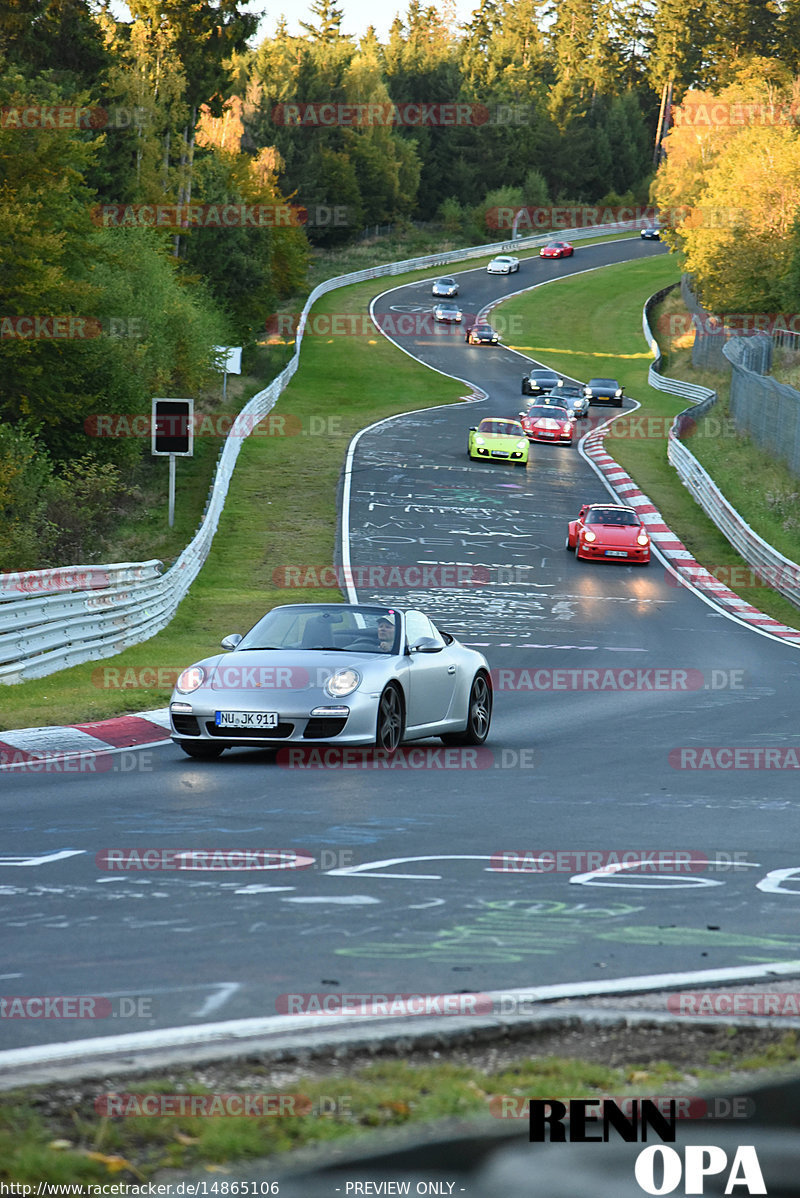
34 747
687 570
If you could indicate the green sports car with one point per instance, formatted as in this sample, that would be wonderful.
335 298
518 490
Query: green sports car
503 439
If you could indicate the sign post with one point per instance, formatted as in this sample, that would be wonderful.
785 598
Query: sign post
229 359
172 435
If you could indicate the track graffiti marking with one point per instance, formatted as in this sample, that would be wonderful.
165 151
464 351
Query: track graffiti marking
509 931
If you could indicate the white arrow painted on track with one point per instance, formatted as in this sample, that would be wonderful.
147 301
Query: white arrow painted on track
43 860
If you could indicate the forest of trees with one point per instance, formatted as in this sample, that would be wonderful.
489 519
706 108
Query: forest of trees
107 127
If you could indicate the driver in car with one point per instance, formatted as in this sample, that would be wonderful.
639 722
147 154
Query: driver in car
385 634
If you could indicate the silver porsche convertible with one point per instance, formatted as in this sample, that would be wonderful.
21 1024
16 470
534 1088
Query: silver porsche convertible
341 673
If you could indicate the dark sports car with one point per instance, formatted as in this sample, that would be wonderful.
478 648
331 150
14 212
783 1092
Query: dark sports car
482 333
651 233
570 396
538 382
608 391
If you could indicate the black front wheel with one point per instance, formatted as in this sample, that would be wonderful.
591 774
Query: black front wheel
201 749
391 720
479 715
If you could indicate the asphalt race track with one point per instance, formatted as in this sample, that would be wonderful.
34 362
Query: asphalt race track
404 894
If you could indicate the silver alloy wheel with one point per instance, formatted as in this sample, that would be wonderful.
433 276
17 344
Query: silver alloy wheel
390 720
480 709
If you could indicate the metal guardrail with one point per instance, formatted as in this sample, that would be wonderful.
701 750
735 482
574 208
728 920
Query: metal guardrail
52 619
766 562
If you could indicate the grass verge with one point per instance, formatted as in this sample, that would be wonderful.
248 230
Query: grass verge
601 313
281 509
65 1133
760 487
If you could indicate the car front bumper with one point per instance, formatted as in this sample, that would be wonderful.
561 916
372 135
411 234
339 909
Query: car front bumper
611 553
295 722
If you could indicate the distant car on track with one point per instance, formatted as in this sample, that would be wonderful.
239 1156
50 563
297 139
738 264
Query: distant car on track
333 673
609 531
548 422
650 233
539 382
482 333
450 313
557 249
496 439
571 396
607 391
446 288
503 264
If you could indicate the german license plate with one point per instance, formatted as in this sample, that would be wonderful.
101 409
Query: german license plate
246 719
546 434
616 553
499 453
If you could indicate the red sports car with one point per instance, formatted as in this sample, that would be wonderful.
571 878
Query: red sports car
557 249
609 531
547 422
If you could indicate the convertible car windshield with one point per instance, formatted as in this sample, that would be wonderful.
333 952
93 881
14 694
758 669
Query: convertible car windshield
611 516
500 428
315 626
548 412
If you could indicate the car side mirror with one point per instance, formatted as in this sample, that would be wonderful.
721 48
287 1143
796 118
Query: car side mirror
230 642
473 428
425 644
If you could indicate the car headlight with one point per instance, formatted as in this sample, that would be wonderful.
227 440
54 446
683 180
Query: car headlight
190 680
479 441
588 535
642 539
521 444
566 427
618 392
342 682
